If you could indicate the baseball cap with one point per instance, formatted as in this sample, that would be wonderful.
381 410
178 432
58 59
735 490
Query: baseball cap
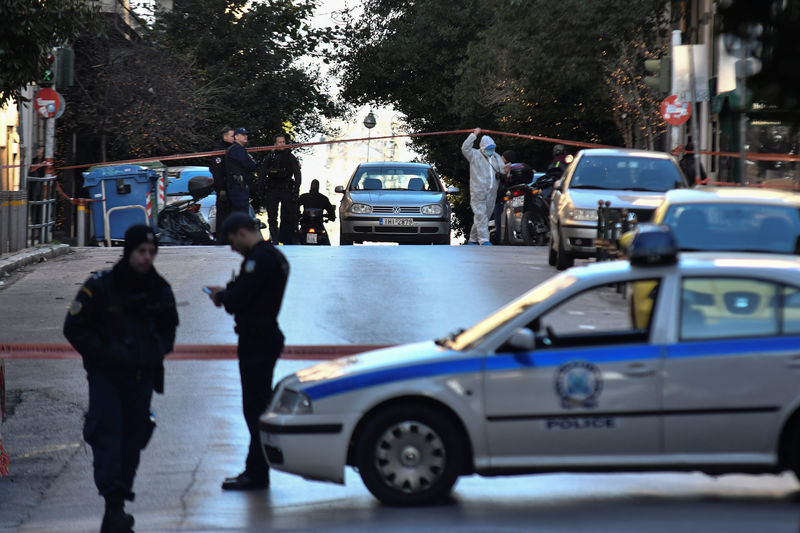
236 221
241 131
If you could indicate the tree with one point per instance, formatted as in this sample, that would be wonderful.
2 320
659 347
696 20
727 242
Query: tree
134 99
554 68
28 31
254 52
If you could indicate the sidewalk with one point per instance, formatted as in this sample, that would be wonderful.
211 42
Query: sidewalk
15 260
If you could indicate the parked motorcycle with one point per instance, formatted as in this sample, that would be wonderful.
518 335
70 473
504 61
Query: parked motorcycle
312 227
181 223
525 217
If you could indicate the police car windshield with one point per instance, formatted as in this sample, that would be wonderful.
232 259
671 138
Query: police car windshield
627 173
735 227
472 337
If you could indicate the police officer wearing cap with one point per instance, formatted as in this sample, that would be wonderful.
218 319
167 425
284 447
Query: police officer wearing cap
254 298
239 169
123 323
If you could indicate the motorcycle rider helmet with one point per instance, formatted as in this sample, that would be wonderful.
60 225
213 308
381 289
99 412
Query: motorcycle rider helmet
558 150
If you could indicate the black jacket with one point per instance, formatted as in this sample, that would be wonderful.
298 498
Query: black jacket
281 168
254 298
217 166
122 321
239 163
316 200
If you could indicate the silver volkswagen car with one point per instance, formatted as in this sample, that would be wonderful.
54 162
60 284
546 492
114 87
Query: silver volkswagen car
635 180
395 202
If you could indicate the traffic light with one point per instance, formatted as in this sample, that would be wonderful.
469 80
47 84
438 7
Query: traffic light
48 75
661 70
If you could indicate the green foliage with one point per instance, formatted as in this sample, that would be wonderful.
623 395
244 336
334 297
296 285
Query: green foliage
250 51
28 31
558 68
778 83
135 99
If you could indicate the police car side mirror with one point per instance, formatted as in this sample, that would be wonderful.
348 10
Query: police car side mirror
339 189
452 190
522 340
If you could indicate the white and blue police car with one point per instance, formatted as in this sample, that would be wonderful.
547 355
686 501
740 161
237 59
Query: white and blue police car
659 363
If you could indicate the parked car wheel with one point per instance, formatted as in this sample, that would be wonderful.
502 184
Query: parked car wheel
563 259
409 456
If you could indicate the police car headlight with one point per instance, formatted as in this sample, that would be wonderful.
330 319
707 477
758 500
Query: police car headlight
361 209
432 209
589 215
292 402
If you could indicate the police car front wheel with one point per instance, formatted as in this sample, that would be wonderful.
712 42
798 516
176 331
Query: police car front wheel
409 455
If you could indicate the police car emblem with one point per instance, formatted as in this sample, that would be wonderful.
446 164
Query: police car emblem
75 308
578 384
250 266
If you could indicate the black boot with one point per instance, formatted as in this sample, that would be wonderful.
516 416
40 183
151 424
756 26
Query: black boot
115 519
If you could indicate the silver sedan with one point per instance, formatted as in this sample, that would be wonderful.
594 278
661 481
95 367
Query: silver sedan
395 202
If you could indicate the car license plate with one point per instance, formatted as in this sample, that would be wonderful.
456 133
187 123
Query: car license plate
397 222
311 238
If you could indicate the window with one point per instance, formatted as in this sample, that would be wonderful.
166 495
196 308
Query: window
646 174
608 314
735 227
720 308
791 311
396 179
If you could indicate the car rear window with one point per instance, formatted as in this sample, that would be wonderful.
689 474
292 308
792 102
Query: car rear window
735 227
646 174
395 179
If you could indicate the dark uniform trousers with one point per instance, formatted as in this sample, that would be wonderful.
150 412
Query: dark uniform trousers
118 426
257 357
239 197
283 194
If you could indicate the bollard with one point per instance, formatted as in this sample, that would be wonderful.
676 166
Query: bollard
81 222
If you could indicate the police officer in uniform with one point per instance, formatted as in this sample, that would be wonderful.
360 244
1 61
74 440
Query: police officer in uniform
254 298
281 170
217 168
123 323
239 168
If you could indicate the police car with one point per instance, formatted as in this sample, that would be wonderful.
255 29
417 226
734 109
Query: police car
699 372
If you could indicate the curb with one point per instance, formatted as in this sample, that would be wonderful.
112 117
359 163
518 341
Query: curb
25 257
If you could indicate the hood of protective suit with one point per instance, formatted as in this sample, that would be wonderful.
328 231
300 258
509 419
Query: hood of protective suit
486 142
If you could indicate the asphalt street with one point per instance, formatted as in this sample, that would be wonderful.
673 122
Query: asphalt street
364 295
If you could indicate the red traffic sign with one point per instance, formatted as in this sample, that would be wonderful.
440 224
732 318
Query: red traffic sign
675 111
47 102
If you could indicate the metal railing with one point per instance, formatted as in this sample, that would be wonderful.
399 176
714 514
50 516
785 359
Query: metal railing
41 208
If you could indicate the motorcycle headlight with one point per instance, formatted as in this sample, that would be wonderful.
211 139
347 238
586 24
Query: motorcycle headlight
517 201
361 209
588 215
432 209
292 402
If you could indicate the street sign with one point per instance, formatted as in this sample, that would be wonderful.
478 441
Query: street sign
675 111
47 103
62 105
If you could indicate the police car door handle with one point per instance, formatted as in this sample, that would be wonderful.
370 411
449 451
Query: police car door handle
639 370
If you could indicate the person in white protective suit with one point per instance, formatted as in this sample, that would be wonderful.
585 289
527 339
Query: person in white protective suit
484 164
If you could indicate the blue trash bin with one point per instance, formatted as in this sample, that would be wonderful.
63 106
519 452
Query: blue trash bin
125 189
